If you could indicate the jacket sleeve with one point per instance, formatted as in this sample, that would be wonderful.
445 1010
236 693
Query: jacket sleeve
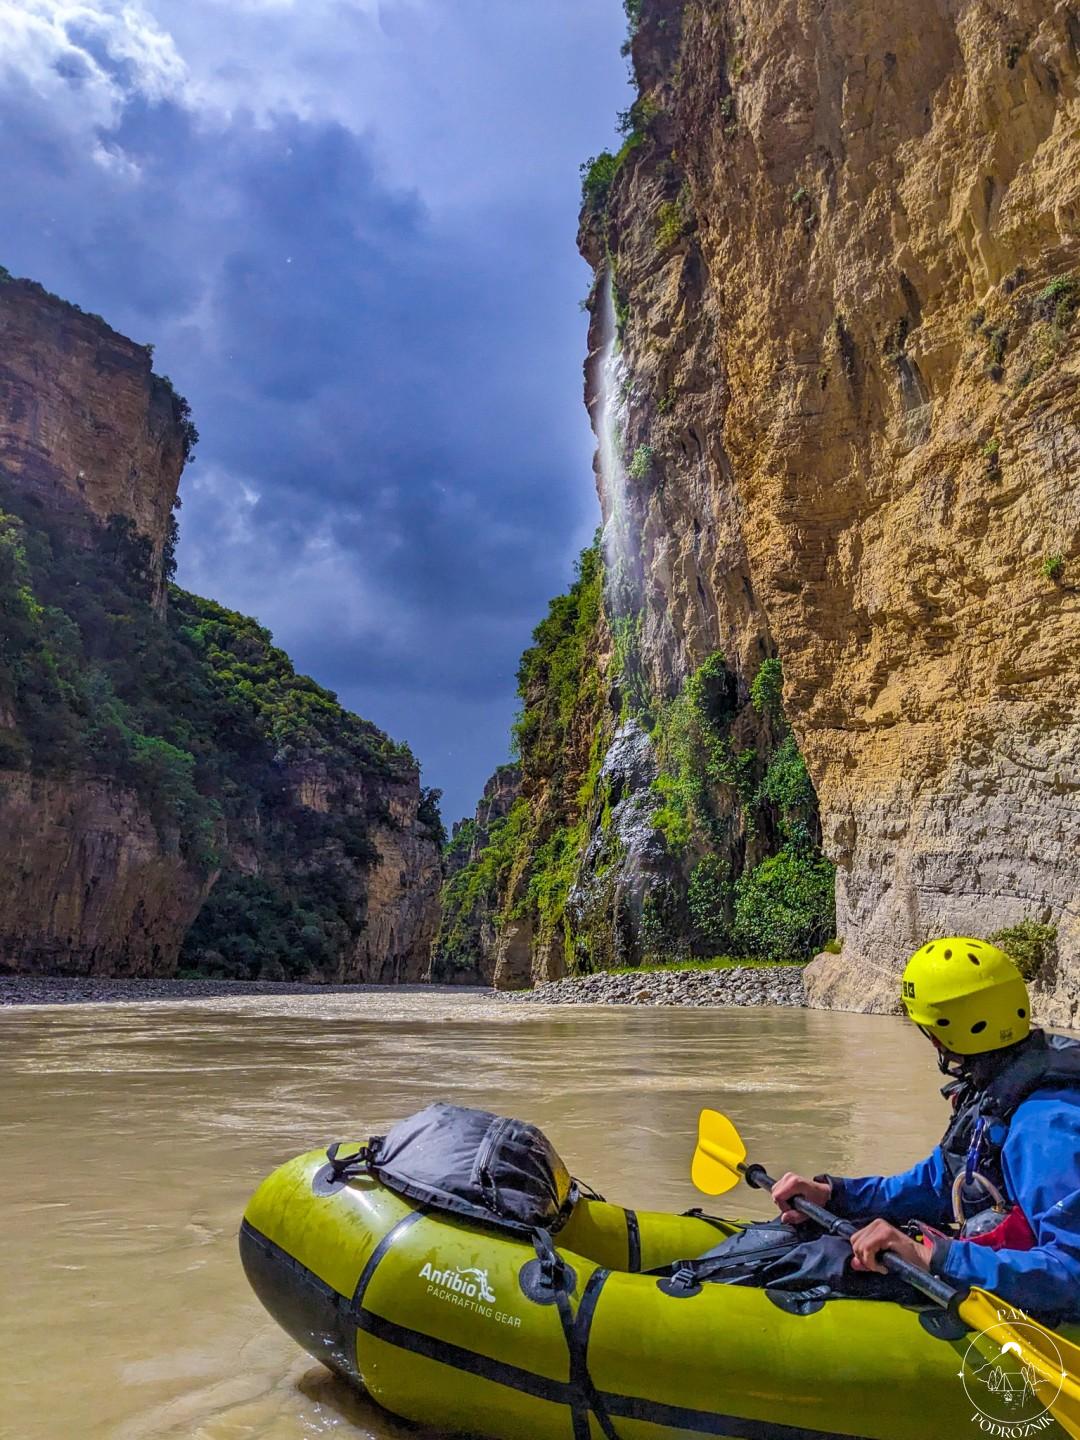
921 1193
1041 1161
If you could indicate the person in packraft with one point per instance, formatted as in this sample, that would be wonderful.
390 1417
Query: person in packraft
997 1204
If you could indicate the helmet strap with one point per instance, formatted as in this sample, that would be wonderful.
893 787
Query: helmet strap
952 1065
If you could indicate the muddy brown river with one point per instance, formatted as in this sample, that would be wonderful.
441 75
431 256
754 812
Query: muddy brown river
133 1135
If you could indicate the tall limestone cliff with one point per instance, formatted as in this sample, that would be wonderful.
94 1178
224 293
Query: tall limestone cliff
171 791
88 430
833 372
845 248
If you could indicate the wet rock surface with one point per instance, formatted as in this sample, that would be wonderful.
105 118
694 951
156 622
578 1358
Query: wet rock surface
742 985
622 859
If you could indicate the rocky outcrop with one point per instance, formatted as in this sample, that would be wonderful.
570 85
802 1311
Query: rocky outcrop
90 887
844 240
739 985
496 802
391 887
87 430
471 837
172 793
402 898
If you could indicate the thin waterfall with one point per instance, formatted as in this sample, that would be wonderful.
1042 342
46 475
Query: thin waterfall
610 434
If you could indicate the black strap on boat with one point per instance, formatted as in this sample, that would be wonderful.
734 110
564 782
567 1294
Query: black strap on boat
340 1170
589 1191
347 1167
379 1254
714 1220
680 1280
559 1280
633 1241
580 1378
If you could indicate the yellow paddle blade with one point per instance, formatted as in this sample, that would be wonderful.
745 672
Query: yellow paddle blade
1050 1363
719 1155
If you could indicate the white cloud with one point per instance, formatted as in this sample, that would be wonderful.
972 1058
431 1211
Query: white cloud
115 161
405 72
86 60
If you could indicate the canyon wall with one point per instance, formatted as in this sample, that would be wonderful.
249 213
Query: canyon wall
172 794
845 244
833 364
465 948
87 430
90 888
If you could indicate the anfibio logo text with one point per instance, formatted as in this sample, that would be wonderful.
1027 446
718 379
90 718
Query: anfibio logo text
469 1288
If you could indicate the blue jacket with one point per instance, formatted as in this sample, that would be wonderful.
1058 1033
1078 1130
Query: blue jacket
1040 1160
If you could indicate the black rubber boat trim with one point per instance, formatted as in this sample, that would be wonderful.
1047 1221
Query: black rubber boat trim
558 1391
301 1271
633 1242
379 1254
706 1422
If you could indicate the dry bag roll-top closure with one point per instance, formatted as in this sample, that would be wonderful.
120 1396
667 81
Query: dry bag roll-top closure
486 1168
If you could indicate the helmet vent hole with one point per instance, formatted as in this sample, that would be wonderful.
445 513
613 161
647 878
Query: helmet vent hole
943 1022
1022 1014
948 954
974 959
978 1027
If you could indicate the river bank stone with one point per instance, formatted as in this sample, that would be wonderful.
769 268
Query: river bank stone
95 990
742 985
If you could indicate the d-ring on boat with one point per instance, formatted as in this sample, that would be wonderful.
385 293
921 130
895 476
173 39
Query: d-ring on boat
454 1271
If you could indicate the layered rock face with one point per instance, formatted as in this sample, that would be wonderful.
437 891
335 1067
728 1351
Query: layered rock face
402 891
86 428
89 886
171 792
845 250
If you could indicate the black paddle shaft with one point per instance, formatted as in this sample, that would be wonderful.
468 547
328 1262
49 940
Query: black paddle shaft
929 1285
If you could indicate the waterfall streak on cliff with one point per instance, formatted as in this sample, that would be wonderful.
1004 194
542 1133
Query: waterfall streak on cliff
610 430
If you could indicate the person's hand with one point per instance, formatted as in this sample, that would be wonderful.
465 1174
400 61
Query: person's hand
868 1243
789 1186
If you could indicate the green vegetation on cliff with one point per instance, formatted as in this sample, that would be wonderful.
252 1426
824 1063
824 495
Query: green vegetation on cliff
469 898
740 869
207 721
525 871
557 738
556 682
737 806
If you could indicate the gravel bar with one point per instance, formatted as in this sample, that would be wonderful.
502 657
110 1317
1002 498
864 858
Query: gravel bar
741 985
64 990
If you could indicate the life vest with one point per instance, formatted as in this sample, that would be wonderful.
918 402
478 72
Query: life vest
973 1143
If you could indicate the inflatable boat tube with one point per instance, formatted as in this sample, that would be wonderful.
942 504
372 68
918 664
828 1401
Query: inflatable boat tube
465 1330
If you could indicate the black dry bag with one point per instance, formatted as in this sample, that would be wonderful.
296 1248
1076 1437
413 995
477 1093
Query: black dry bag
485 1167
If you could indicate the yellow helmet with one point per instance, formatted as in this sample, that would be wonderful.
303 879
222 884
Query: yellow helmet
967 994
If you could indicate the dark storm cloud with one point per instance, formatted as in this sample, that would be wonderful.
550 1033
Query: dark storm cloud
394 469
